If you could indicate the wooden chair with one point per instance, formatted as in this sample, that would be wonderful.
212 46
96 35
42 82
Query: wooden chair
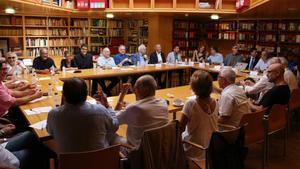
230 135
107 158
294 104
276 121
254 130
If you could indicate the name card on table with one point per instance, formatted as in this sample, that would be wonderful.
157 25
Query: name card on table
39 125
38 110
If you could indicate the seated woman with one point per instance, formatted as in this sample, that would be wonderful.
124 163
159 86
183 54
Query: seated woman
68 63
200 54
199 119
14 66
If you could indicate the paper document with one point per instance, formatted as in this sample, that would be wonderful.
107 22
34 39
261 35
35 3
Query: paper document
126 69
44 78
59 88
39 125
38 99
38 110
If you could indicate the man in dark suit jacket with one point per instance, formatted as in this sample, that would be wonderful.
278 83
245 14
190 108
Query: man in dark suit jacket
157 56
252 59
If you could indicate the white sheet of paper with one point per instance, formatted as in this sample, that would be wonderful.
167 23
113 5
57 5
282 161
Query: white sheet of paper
44 78
38 110
127 69
59 88
38 99
191 97
110 100
27 62
39 125
115 68
70 71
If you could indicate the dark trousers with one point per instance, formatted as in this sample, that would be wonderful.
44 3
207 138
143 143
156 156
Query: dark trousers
113 81
31 153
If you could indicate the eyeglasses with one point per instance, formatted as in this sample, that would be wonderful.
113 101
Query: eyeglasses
11 57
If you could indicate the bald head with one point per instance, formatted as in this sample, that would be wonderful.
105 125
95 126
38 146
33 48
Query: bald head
274 60
145 86
275 72
106 52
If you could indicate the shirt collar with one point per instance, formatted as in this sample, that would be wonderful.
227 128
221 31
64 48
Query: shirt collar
146 99
228 87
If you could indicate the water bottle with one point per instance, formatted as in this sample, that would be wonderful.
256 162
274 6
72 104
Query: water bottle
49 89
34 78
64 69
186 61
138 63
56 100
25 73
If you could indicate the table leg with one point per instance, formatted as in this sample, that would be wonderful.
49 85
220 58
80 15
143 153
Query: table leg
174 115
167 79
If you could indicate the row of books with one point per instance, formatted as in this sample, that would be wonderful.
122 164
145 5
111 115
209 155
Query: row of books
99 23
36 21
57 51
41 42
227 26
268 26
57 22
289 38
180 34
267 37
57 32
78 41
98 32
11 32
36 32
245 46
132 24
101 41
246 36
247 26
59 42
227 35
292 26
34 52
10 20
270 49
181 25
79 22
115 24
182 43
78 32
115 32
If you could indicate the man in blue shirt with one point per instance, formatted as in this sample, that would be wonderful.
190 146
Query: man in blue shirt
140 58
121 59
215 57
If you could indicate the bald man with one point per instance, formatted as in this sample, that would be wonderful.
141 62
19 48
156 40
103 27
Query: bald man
146 113
43 64
105 61
279 94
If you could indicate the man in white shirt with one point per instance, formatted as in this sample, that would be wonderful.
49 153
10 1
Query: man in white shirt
289 76
14 66
233 103
106 61
146 113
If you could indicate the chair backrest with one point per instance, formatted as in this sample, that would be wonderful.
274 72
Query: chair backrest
254 126
294 100
107 158
160 148
277 118
226 149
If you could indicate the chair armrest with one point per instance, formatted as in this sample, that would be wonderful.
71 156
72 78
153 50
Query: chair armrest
127 146
4 121
222 127
194 145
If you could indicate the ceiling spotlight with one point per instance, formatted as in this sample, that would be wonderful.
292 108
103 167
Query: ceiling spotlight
109 15
214 17
186 15
10 10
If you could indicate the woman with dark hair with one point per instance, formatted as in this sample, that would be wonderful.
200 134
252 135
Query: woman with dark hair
199 118
200 54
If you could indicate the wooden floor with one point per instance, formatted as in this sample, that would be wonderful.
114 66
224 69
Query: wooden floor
277 160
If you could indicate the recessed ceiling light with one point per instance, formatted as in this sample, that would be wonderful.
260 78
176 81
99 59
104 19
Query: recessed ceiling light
186 15
109 15
214 17
10 10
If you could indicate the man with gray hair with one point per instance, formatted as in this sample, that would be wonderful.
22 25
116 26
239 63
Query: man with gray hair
146 113
288 75
44 64
233 102
140 58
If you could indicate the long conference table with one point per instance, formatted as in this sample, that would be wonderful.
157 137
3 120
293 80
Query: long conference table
169 94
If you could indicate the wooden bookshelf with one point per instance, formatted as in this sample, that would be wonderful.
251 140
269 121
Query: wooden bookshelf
163 4
142 3
136 34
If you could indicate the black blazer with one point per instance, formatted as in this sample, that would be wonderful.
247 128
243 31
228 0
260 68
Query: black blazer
154 60
248 61
64 64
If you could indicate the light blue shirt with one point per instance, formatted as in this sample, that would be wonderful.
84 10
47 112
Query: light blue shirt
217 58
172 57
106 62
138 57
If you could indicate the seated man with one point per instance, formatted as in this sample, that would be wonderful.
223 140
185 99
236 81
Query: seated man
215 57
43 64
289 76
174 57
262 85
14 66
279 94
158 57
121 59
84 60
78 125
107 62
233 58
146 113
140 58
10 98
233 102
